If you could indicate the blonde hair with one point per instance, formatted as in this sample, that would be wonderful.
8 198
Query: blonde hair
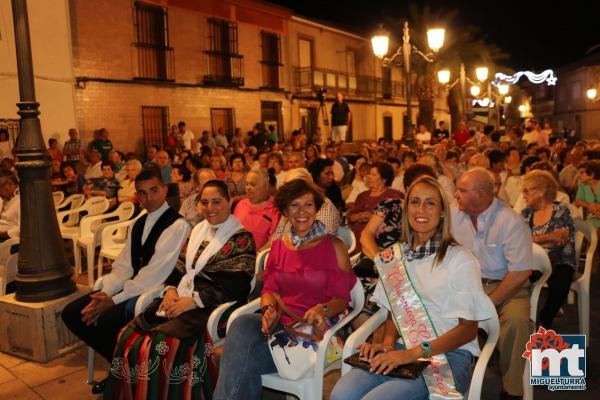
297 173
544 181
444 226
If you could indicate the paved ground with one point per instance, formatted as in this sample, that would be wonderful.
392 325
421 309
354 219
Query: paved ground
65 378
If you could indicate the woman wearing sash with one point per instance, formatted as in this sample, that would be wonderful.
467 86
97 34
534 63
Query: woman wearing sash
432 287
165 351
308 271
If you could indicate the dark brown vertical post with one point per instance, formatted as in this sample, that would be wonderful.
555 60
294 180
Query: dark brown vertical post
44 272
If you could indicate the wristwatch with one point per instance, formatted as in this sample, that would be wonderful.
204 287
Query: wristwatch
426 347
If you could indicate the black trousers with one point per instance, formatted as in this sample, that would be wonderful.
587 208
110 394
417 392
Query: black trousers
559 284
102 336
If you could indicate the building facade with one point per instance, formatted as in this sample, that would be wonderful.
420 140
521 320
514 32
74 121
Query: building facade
138 67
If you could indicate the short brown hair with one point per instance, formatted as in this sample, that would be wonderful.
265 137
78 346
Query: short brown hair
294 189
591 167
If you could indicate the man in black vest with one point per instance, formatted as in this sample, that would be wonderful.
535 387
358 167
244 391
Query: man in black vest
150 254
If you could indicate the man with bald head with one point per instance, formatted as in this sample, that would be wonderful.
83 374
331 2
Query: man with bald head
189 207
295 160
502 243
163 162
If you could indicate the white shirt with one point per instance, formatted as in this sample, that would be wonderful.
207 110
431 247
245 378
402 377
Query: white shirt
10 216
357 188
450 290
119 283
338 171
187 137
93 171
221 140
424 137
398 183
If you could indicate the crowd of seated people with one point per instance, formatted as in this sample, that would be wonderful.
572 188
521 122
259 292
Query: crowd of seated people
467 206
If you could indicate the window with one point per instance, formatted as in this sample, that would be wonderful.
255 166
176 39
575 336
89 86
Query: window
270 114
223 118
155 125
225 65
271 59
155 57
387 127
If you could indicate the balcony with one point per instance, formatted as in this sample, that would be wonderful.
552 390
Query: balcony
155 62
224 69
310 80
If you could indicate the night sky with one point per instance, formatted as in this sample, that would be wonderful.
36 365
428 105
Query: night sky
537 35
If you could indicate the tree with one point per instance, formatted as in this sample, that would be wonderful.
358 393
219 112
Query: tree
463 44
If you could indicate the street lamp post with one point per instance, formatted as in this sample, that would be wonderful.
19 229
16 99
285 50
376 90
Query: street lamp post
482 75
380 42
43 272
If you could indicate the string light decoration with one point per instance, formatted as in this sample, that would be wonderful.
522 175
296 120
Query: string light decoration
546 76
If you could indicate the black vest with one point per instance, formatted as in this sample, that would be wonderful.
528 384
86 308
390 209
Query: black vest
141 254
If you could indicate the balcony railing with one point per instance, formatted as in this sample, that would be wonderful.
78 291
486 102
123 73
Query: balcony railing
155 62
224 69
313 79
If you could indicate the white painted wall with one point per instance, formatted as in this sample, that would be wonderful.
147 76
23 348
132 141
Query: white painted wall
52 65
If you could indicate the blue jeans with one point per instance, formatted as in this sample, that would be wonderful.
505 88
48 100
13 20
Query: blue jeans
245 358
361 384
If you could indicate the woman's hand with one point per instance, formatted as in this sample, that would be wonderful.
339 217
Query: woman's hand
179 306
269 319
369 350
169 299
316 316
384 363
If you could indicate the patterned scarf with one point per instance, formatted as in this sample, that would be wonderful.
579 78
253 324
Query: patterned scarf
425 250
318 229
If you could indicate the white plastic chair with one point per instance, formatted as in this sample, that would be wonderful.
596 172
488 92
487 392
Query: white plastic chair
490 326
541 263
73 201
348 237
112 240
92 206
212 324
8 263
310 387
58 198
90 233
581 285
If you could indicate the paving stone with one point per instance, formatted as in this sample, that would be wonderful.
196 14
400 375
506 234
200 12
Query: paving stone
34 374
17 390
5 375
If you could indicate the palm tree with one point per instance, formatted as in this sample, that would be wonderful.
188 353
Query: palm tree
463 44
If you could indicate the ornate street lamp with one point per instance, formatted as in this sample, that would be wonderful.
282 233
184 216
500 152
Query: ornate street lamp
380 43
44 272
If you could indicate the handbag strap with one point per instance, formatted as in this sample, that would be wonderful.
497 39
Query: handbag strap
296 318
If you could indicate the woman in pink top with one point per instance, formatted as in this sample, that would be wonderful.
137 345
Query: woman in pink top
257 212
309 270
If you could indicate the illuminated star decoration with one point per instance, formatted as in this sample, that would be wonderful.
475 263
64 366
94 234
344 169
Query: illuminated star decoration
546 76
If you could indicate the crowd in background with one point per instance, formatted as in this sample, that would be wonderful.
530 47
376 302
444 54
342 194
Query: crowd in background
546 179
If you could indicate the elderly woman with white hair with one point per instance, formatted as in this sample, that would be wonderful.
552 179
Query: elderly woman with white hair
552 228
127 192
257 212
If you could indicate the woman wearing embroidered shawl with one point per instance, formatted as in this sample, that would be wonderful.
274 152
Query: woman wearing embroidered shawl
165 352
435 297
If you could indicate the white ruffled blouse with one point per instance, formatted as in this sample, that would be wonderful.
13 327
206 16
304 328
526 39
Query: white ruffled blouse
450 290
